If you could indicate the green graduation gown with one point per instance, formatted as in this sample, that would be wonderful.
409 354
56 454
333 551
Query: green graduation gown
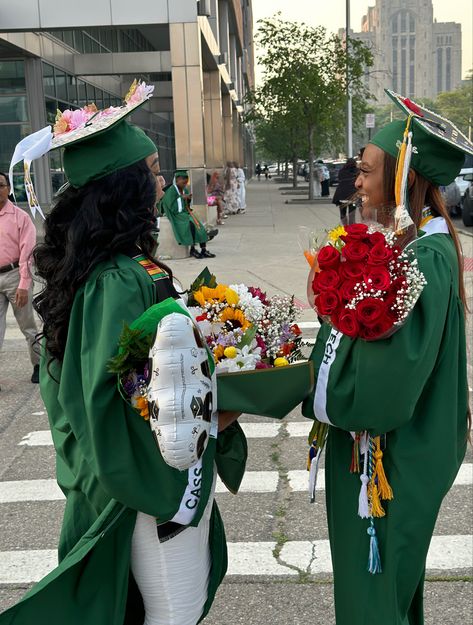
108 466
413 386
173 206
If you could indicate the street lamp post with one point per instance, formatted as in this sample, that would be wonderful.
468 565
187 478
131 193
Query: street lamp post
349 103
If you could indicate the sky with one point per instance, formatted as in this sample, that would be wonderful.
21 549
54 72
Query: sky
331 14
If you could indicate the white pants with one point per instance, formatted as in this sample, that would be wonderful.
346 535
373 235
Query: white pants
172 575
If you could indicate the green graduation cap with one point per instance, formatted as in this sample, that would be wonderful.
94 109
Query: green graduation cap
96 143
181 173
434 147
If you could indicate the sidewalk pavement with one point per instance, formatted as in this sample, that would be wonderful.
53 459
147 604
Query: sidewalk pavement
261 248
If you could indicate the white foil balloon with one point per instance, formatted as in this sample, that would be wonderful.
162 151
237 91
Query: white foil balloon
181 392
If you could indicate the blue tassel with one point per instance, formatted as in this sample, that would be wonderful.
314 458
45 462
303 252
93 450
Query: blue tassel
374 563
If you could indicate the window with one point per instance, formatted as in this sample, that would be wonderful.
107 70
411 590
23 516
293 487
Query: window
394 24
403 21
81 92
10 135
448 69
403 70
12 77
439 69
412 50
51 109
61 88
412 23
48 80
394 65
13 109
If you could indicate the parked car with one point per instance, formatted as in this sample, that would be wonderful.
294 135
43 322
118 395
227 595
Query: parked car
467 204
467 168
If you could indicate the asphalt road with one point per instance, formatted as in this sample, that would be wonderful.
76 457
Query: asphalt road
279 568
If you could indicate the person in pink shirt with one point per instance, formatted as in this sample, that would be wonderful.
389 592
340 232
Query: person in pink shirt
17 239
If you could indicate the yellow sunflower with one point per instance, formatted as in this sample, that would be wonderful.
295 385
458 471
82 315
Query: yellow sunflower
235 318
205 294
218 352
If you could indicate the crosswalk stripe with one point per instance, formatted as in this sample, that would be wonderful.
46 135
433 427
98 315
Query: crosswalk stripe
308 325
269 429
253 482
48 490
446 553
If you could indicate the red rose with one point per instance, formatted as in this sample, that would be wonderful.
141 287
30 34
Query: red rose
370 310
351 271
347 289
397 285
355 251
327 302
377 277
356 231
328 257
376 331
326 279
295 330
389 302
380 254
377 237
348 323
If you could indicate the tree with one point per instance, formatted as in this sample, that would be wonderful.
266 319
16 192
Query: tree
305 82
457 106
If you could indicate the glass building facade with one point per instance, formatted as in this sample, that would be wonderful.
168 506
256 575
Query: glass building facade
62 90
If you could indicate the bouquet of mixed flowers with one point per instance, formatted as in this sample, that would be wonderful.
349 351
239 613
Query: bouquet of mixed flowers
256 342
253 339
363 283
244 328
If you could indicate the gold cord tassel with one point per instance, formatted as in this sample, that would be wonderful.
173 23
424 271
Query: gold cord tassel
385 490
400 164
377 509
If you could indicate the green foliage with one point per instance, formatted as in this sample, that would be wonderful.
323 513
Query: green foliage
303 96
205 278
457 106
133 350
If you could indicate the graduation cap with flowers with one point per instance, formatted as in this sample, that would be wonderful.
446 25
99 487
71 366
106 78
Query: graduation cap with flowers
96 142
426 142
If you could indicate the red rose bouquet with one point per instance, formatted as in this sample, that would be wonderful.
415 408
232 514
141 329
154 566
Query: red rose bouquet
363 283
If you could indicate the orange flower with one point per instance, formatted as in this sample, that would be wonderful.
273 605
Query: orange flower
61 125
218 352
142 406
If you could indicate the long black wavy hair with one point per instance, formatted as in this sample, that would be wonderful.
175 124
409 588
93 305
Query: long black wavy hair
86 226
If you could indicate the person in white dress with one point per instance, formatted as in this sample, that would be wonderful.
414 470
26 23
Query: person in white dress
241 180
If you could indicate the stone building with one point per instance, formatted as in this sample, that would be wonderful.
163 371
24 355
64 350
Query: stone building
413 53
199 55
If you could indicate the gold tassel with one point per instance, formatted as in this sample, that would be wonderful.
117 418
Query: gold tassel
385 490
401 157
377 509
